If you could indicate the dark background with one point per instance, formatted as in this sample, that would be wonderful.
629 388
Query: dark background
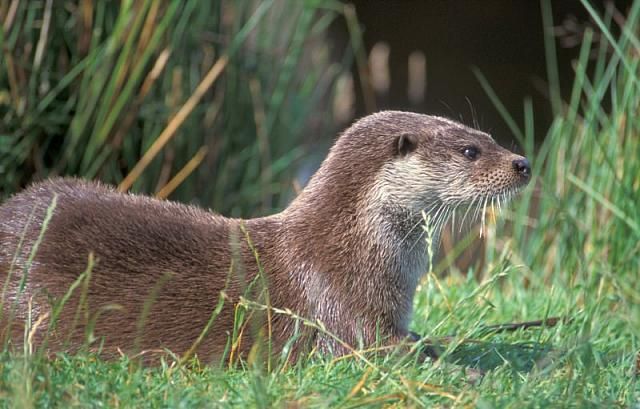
503 38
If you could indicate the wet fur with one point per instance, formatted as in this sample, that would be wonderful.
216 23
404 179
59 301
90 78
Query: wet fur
348 251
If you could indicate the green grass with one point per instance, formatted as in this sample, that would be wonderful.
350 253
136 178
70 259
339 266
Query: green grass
112 77
570 247
587 363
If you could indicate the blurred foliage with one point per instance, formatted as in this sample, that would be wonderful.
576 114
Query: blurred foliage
88 86
581 221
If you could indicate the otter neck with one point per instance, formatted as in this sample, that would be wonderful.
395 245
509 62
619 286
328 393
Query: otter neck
356 247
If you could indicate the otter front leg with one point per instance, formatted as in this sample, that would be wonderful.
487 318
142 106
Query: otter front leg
432 350
427 348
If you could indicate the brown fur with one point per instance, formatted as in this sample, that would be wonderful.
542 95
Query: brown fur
346 251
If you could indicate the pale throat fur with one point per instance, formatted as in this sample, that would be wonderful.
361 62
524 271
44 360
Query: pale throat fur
363 214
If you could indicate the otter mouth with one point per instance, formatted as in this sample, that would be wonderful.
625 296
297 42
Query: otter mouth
490 203
459 213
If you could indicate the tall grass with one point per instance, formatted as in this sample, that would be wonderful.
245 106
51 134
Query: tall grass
581 222
221 91
572 246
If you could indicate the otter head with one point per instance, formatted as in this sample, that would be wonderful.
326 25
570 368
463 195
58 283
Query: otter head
394 165
438 165
460 165
366 201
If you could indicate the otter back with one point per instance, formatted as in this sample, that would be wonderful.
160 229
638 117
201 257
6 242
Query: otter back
127 272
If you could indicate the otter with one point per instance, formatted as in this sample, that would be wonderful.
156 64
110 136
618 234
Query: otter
85 264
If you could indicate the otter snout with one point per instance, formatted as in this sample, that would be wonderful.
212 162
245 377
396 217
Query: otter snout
521 165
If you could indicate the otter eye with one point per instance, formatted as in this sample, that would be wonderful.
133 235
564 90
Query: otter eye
471 152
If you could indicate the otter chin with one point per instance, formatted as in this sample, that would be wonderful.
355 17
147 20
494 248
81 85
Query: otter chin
88 266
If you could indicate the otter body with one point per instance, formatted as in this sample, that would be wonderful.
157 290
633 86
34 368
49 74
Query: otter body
348 251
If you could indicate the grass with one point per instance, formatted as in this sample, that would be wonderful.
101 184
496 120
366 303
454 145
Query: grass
89 87
569 247
576 365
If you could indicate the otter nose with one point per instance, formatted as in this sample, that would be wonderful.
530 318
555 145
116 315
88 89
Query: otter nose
521 165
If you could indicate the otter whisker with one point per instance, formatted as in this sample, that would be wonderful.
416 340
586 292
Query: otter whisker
441 216
420 221
453 220
406 236
478 209
440 210
484 214
464 218
495 202
418 240
444 218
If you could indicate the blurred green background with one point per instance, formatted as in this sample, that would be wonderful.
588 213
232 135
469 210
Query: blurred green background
88 86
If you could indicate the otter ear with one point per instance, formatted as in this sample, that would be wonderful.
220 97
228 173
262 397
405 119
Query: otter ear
406 143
